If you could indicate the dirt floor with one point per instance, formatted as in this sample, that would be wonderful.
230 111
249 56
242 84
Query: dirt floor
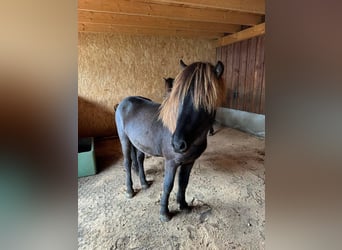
226 188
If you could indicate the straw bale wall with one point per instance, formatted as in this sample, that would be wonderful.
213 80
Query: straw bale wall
113 66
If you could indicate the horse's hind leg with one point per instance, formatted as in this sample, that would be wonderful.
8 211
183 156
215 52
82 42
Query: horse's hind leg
140 159
211 131
137 158
183 180
126 150
135 165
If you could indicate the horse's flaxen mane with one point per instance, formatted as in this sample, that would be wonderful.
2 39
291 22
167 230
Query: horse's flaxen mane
207 92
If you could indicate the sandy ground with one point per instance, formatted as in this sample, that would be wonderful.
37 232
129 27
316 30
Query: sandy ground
226 188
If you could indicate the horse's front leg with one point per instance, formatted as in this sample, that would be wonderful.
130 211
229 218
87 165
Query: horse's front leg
170 171
183 180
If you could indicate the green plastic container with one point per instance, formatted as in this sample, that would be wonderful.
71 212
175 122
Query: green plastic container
86 157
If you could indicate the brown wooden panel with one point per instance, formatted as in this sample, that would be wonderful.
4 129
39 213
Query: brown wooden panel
229 74
262 87
251 53
224 76
220 57
259 61
262 99
245 74
218 54
235 76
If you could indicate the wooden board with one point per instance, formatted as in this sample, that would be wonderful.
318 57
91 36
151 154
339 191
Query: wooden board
244 74
254 31
187 18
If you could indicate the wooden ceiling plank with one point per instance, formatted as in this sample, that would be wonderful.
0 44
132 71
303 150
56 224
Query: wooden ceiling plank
170 11
153 22
256 30
249 6
109 28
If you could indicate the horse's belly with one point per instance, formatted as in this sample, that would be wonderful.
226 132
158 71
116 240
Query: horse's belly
146 140
147 148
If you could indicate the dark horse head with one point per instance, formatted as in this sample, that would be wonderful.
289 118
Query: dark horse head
188 112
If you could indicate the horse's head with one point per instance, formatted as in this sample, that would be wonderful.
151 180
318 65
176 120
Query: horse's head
189 110
168 84
169 81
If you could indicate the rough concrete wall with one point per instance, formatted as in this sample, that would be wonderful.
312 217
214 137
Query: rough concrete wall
113 66
245 121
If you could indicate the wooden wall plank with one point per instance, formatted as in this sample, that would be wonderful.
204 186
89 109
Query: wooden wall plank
235 77
226 80
258 75
262 98
262 73
218 54
251 53
229 73
242 74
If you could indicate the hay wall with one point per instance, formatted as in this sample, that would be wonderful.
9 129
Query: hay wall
113 66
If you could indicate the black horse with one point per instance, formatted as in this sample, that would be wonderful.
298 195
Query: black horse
176 129
137 156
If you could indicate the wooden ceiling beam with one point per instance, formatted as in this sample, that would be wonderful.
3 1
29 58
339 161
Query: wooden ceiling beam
153 22
170 11
256 30
109 28
249 6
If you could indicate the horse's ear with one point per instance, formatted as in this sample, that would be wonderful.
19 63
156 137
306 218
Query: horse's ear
219 69
182 64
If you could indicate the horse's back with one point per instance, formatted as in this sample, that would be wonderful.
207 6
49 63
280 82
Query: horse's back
134 106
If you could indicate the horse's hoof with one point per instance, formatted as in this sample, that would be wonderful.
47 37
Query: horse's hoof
146 185
165 217
185 207
129 195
